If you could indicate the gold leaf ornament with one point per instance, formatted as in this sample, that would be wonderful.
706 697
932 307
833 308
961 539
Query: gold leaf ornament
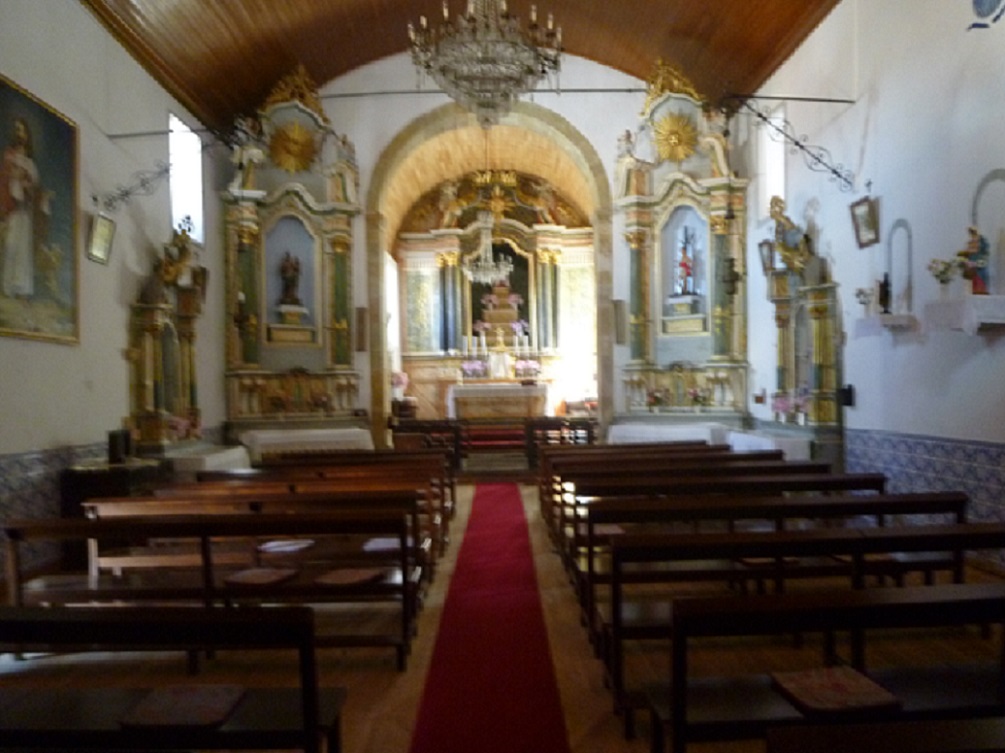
292 147
676 137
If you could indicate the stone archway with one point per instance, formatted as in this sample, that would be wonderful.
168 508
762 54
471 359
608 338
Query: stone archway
448 142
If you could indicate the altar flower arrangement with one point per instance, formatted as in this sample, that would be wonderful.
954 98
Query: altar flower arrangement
527 367
781 403
515 299
481 326
489 300
474 368
656 397
698 396
399 380
519 327
944 270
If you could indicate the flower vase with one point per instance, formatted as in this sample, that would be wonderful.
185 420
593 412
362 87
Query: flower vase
943 291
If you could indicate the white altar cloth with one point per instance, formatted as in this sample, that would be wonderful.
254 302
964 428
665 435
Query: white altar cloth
969 313
186 462
794 448
637 433
507 399
260 441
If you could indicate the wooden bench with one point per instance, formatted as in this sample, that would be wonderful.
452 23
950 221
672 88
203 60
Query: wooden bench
404 500
322 480
437 433
971 735
665 559
557 430
670 470
76 718
557 488
608 518
290 559
738 707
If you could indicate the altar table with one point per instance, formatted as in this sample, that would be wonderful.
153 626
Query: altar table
497 400
261 441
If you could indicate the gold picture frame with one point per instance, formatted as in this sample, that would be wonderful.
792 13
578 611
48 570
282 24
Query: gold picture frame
865 218
99 242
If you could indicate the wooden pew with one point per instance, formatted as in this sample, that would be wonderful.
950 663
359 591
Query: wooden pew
439 433
292 559
717 558
556 430
710 708
605 519
362 481
970 735
557 484
74 718
570 506
439 462
404 500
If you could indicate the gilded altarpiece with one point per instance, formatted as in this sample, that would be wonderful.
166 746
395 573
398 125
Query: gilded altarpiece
289 222
683 218
518 329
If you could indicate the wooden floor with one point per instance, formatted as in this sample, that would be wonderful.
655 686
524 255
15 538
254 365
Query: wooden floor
383 702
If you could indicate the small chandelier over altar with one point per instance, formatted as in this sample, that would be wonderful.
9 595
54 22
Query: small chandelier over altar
484 59
485 268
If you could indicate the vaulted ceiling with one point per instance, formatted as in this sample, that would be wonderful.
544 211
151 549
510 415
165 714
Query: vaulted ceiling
220 58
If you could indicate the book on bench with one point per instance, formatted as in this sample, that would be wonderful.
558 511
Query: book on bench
203 706
833 690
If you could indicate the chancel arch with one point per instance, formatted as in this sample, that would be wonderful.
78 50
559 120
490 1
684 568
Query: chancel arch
444 147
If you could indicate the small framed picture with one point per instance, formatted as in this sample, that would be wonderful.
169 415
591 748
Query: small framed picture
865 218
99 245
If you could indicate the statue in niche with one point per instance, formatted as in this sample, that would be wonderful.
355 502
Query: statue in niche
289 271
974 259
791 242
449 205
685 264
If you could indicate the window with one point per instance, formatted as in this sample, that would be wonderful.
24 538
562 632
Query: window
771 160
185 153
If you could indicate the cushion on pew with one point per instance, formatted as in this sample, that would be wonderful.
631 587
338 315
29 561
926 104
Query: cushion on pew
833 690
260 576
184 706
350 576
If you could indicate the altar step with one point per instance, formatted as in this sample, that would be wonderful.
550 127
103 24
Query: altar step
495 438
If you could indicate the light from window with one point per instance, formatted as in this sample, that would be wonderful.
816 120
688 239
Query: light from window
185 153
771 160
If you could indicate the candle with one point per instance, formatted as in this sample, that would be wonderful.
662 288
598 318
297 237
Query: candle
464 341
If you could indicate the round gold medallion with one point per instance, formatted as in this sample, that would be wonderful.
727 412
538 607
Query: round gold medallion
676 137
292 147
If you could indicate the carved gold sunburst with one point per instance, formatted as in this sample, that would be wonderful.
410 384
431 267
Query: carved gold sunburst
292 147
676 137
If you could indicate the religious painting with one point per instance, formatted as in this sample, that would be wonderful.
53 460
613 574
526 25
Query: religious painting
38 220
865 218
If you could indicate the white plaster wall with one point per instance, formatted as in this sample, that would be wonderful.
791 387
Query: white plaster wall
54 395
925 128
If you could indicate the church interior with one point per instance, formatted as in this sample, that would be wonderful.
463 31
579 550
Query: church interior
239 239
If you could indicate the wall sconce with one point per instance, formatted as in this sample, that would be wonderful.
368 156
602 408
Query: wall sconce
766 248
846 395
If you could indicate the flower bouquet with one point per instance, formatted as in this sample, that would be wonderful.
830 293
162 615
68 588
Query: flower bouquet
527 367
944 270
474 368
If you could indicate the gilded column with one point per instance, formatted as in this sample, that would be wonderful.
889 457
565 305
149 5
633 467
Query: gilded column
641 292
337 280
823 408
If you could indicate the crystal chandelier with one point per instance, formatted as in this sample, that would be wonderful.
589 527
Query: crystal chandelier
486 269
484 59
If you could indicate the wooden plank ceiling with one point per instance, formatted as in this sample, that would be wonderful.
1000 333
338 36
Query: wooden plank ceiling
220 58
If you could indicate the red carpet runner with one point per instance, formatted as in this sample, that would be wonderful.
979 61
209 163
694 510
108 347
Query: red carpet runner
491 687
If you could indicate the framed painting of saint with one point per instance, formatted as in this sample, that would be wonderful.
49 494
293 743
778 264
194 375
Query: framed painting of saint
38 214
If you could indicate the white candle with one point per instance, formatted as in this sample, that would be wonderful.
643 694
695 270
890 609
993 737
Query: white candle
464 341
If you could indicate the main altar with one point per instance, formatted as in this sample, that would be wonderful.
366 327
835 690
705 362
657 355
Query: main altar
496 400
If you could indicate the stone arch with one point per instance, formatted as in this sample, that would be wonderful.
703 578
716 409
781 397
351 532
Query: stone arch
449 142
